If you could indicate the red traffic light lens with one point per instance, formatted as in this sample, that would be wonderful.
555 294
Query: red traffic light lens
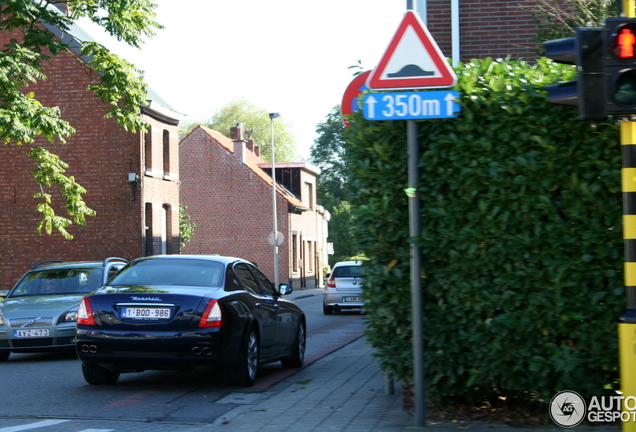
624 42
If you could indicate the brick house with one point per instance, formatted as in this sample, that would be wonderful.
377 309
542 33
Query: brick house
132 179
228 191
486 28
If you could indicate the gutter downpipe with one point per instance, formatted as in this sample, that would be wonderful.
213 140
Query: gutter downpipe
456 54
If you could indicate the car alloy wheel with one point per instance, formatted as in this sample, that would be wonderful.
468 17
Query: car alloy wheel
252 356
245 373
297 357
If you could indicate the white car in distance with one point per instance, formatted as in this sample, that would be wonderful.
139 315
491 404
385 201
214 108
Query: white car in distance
344 287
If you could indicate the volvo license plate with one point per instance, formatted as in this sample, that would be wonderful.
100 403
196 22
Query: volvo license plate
29 333
351 299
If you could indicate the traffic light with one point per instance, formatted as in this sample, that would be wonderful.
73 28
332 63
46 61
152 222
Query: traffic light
620 66
585 50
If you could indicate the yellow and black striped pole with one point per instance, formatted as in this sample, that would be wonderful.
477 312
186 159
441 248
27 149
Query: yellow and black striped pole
627 323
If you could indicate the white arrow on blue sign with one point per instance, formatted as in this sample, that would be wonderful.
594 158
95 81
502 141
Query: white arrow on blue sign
411 105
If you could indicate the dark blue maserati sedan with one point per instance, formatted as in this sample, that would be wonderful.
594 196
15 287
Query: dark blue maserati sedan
196 312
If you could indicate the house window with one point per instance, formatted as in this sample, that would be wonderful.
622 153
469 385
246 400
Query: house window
166 153
294 253
148 149
165 228
308 196
149 239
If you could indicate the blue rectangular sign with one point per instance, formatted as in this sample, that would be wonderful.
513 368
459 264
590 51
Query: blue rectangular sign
411 105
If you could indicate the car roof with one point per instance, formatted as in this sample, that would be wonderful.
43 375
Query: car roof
218 258
350 263
55 264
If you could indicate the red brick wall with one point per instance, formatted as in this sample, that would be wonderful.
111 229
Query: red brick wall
488 28
232 209
100 155
230 206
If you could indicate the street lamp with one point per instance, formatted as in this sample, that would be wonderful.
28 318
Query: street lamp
272 116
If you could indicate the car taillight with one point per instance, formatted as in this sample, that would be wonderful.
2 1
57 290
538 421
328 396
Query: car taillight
85 313
331 282
212 316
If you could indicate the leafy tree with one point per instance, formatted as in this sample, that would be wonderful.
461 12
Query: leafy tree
341 230
22 62
327 154
257 121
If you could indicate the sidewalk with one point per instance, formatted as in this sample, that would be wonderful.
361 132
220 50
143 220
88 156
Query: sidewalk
344 391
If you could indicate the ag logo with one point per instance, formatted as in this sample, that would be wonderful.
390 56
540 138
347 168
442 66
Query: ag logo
567 409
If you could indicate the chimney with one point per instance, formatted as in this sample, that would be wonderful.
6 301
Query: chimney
257 151
249 143
236 133
239 150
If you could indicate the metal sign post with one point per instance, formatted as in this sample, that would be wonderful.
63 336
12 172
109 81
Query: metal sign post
416 285
413 61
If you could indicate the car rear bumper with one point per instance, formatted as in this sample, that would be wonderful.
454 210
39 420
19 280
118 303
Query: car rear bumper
343 300
154 350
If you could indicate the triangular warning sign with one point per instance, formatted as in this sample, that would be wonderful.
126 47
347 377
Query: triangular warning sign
412 60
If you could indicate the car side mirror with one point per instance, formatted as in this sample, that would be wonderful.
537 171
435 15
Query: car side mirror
4 293
284 289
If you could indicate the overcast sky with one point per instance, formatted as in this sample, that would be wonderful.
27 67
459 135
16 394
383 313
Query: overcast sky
285 56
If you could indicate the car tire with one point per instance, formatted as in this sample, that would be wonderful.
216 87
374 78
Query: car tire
327 310
244 374
98 375
4 355
297 357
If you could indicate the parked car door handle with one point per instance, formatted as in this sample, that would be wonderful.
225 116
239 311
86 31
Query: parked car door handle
257 305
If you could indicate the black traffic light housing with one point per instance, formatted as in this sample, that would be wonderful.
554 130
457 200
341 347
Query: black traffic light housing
585 50
620 66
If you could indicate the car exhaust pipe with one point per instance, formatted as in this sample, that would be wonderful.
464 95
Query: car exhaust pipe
85 348
196 351
93 349
207 351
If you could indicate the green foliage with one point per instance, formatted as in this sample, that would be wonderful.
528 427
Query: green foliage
117 83
341 233
257 120
186 226
521 239
327 153
49 171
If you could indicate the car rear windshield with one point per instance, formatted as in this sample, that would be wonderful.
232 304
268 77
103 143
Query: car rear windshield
59 281
347 271
176 272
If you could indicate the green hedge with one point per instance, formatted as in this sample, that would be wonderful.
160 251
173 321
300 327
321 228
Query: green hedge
521 240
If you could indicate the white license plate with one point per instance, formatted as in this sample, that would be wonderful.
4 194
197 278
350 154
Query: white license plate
351 299
31 333
146 313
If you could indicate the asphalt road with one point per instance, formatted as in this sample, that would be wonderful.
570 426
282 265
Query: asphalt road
47 392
